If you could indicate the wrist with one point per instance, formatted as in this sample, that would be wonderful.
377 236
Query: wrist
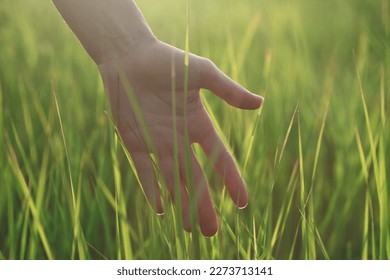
106 29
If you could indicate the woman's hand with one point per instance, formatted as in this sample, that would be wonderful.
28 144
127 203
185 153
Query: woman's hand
150 106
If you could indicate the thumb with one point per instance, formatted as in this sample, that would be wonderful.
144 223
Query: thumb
233 93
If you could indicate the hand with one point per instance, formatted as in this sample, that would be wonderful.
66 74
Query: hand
148 70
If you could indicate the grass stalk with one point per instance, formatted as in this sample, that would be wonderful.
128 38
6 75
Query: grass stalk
77 230
11 224
379 175
308 238
304 233
288 132
180 240
30 202
286 208
366 224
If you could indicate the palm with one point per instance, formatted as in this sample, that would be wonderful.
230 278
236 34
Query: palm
154 78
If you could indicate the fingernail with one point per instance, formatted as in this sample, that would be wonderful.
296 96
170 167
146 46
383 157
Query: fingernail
262 99
242 207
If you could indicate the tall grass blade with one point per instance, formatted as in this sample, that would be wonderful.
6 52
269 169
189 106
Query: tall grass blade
288 132
379 176
11 222
366 224
31 204
314 233
77 231
304 233
1 122
251 141
286 207
180 239
122 224
318 147
195 246
308 239
65 148
382 94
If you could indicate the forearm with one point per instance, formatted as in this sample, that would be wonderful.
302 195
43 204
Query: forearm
106 29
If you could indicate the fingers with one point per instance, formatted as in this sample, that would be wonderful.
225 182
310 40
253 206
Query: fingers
227 89
206 212
167 169
147 177
226 167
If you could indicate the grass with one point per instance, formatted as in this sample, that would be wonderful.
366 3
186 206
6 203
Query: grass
315 157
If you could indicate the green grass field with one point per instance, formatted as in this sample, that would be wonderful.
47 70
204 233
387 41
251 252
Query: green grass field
316 158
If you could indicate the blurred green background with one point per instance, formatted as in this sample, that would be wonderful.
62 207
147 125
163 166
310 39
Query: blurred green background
316 160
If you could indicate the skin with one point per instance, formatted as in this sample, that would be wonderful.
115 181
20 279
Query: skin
141 72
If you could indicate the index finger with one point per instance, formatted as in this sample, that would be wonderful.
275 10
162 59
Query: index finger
232 92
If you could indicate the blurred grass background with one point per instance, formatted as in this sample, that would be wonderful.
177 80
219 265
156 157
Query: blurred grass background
316 160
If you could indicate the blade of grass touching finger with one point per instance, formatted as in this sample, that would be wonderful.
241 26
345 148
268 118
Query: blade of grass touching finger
117 138
177 182
142 126
138 114
195 253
